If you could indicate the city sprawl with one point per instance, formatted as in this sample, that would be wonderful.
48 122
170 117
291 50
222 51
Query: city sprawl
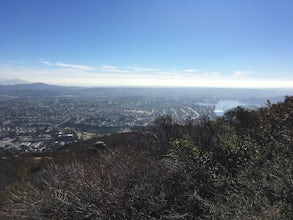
43 123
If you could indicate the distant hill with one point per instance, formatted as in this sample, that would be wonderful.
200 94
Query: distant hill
24 88
36 89
13 82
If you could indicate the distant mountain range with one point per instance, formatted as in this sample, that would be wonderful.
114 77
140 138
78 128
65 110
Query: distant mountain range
22 88
37 89
13 82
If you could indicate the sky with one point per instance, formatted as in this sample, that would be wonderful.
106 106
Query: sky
173 43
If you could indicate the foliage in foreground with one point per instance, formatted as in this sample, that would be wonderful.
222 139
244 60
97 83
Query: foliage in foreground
239 166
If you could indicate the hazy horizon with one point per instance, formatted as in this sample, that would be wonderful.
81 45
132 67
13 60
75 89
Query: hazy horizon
243 44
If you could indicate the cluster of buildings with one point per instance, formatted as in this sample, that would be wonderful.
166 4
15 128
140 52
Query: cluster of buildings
29 124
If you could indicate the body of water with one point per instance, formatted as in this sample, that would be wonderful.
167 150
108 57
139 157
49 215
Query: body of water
224 105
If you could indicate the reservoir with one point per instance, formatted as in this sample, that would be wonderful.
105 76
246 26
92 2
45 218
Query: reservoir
224 105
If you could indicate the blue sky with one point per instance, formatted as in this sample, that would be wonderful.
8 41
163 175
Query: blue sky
220 43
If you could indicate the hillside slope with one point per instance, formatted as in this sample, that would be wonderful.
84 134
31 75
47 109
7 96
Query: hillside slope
239 166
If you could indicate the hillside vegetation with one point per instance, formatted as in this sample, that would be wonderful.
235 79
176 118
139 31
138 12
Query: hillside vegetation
239 166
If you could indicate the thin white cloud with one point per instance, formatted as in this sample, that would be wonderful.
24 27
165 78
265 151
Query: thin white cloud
178 78
190 70
74 66
66 65
112 69
211 75
142 69
11 63
109 67
240 73
46 62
